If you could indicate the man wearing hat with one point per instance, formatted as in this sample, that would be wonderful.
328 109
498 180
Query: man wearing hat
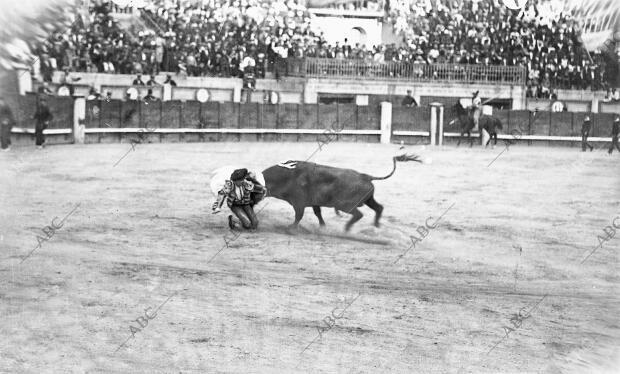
138 81
615 128
585 132
409 100
241 192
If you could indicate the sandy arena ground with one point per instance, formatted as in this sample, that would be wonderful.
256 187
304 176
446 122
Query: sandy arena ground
141 234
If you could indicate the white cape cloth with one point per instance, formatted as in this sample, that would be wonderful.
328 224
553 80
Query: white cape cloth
221 174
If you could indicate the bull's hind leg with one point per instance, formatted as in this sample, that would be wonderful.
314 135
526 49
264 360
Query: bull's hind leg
378 208
317 213
357 215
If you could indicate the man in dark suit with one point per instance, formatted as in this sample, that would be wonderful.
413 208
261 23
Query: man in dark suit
409 100
152 81
149 96
43 116
615 128
170 81
138 81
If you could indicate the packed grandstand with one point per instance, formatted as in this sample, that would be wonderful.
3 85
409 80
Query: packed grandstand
233 38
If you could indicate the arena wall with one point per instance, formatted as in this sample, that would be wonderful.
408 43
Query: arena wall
187 121
314 86
295 90
291 90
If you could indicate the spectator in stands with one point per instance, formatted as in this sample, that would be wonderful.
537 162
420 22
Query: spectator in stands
217 38
409 100
615 129
42 116
192 65
170 81
585 132
138 81
149 96
93 94
44 89
7 121
152 81
553 95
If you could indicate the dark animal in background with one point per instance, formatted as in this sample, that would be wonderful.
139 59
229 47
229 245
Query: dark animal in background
490 124
303 184
464 121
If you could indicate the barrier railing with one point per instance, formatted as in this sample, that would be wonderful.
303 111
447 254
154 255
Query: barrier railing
288 122
364 70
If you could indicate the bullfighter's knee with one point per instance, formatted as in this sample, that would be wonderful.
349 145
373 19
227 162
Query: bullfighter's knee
246 223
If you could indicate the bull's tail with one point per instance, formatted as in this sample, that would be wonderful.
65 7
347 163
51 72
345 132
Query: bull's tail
403 158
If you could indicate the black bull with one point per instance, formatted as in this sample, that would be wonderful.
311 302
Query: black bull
303 184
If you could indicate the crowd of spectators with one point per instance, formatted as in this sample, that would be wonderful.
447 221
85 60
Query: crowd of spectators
220 37
540 37
237 37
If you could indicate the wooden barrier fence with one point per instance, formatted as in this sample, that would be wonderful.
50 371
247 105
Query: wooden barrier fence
212 121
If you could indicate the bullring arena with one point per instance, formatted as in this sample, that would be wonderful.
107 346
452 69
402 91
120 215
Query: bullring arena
125 127
142 233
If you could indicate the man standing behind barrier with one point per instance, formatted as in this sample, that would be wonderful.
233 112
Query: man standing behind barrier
585 132
138 81
7 121
476 105
43 116
409 100
615 128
